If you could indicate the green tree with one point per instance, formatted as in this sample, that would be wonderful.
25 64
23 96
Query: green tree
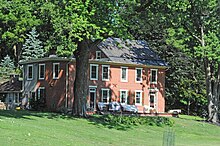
32 47
6 67
195 29
16 18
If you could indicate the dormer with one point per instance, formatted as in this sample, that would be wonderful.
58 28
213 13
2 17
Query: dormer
98 55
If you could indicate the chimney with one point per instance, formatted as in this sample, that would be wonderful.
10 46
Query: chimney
14 77
52 52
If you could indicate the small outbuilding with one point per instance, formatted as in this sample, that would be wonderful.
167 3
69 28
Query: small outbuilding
11 92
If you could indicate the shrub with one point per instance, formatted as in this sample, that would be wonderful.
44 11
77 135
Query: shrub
136 120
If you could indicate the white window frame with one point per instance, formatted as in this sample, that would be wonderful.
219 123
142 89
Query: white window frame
103 72
97 70
108 96
38 92
40 71
153 82
98 55
28 70
124 80
54 77
136 69
126 96
140 97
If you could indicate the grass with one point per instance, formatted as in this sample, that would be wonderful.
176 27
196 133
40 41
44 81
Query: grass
36 129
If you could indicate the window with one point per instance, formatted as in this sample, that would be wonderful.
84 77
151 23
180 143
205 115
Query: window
153 77
30 72
123 96
93 72
124 74
41 71
138 97
98 54
56 70
105 95
105 72
138 75
41 94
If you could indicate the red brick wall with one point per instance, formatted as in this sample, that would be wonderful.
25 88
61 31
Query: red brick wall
55 88
115 85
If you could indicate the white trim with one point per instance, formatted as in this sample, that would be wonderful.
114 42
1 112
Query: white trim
54 70
105 89
153 82
92 86
38 92
140 97
155 94
108 72
30 65
126 96
39 71
97 69
95 96
124 80
136 75
98 55
153 89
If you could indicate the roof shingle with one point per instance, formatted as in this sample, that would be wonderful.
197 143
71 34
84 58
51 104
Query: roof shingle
130 51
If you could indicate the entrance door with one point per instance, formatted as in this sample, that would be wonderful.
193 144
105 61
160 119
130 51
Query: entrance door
92 98
153 100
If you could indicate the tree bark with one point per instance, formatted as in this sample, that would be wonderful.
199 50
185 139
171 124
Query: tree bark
212 91
212 85
81 79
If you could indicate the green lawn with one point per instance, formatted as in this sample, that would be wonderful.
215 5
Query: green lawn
33 128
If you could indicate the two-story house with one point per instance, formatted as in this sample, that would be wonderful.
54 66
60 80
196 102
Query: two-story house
120 70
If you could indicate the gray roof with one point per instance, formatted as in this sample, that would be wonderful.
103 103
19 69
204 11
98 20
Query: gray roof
13 85
130 52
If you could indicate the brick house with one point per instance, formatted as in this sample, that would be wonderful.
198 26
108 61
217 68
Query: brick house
120 70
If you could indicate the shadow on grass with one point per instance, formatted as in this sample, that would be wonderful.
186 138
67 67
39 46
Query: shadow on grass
25 114
98 120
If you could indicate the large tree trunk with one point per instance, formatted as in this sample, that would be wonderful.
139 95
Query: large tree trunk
212 84
81 79
213 91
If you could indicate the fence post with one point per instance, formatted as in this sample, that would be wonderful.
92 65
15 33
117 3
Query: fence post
169 137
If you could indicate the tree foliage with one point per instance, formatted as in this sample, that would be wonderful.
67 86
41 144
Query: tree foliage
32 48
195 29
6 67
16 18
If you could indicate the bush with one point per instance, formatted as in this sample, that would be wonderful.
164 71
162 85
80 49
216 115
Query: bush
135 120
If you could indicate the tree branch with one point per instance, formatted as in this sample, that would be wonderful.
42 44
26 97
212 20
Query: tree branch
193 35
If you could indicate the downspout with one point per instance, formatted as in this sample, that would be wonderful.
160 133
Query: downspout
67 83
23 81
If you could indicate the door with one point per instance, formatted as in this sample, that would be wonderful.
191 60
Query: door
153 100
92 98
